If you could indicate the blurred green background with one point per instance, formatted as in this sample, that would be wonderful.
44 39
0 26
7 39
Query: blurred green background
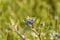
13 12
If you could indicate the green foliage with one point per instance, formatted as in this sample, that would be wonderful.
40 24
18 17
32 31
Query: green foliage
14 12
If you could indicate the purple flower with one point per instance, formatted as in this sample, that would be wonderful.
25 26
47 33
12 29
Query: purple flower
30 20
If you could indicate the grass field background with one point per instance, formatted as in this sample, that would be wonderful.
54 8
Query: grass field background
14 12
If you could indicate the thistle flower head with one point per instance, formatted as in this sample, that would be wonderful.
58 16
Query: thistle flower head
30 20
55 34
